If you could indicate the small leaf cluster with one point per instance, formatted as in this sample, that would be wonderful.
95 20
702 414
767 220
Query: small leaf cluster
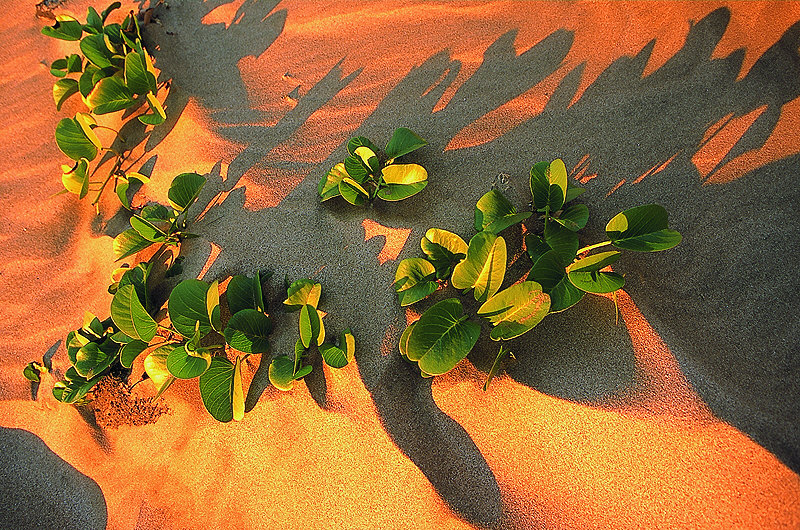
363 176
112 72
561 272
158 224
303 296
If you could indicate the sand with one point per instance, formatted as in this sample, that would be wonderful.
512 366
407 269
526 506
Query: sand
683 415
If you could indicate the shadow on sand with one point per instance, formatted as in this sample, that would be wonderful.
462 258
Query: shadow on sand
724 300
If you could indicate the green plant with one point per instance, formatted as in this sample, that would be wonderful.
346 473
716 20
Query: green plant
191 342
363 177
303 296
157 224
560 276
112 73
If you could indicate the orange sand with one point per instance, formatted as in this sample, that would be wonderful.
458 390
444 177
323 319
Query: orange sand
655 458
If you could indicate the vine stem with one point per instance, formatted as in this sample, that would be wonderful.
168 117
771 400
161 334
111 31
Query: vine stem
592 247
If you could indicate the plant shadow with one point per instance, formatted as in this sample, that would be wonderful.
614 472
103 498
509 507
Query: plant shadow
729 326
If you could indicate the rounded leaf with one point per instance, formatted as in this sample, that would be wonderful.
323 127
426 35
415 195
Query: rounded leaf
328 186
413 280
404 174
63 89
130 351
310 325
398 192
155 365
303 292
187 307
281 373
187 365
352 191
573 217
130 316
184 190
595 281
643 229
516 310
484 268
128 243
563 241
403 141
442 337
65 28
76 178
221 389
71 138
247 331
551 275
494 213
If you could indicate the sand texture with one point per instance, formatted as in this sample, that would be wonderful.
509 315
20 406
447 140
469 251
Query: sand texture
685 414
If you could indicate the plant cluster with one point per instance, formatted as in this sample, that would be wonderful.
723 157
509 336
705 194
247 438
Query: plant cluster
560 276
303 296
363 176
113 72
157 224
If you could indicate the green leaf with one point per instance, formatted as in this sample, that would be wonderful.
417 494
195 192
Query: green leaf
328 186
76 178
355 168
484 268
548 184
95 49
414 280
152 212
444 250
74 387
585 273
494 213
398 192
360 141
65 28
73 141
62 90
281 373
93 359
403 141
302 292
535 247
33 371
596 282
333 356
551 275
130 352
563 241
221 389
147 230
515 310
86 81
573 217
130 316
442 337
247 331
58 67
184 190
155 365
643 229
158 116
212 306
310 325
94 21
110 95
188 365
109 9
573 192
595 262
128 243
353 192
137 78
187 306
240 294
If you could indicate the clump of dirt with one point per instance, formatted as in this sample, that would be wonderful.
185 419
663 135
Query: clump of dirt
115 405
